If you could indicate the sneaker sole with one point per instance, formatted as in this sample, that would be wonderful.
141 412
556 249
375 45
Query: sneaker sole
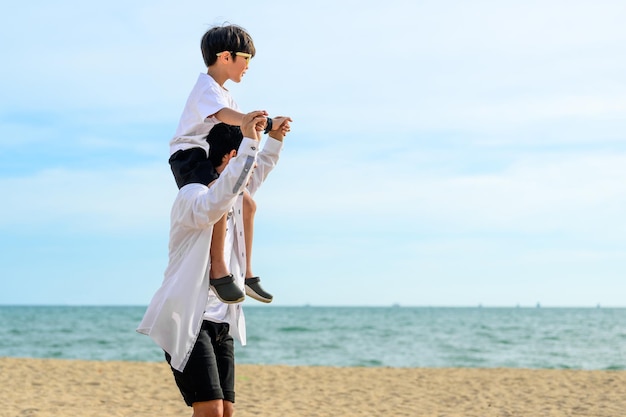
226 301
251 293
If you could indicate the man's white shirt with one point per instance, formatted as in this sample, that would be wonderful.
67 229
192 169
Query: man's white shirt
175 314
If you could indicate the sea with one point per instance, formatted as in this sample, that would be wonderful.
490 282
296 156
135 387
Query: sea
433 337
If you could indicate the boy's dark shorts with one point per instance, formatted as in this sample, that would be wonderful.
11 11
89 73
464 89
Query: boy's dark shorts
192 166
210 371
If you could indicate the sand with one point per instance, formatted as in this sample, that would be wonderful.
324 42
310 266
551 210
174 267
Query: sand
70 388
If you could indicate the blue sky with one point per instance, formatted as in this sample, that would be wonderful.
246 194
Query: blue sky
442 152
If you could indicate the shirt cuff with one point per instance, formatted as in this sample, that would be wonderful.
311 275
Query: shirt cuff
272 145
248 147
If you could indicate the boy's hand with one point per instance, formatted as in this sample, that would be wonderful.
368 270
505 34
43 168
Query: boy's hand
279 131
278 121
253 124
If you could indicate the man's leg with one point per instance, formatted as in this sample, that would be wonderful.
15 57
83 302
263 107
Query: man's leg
201 383
224 350
215 408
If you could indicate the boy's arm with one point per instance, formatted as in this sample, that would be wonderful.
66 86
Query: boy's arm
229 116
233 117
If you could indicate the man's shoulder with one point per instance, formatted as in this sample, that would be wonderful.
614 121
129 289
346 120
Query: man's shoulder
191 189
187 197
189 192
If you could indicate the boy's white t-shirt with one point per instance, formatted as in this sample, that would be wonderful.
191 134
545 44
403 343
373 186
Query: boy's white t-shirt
206 98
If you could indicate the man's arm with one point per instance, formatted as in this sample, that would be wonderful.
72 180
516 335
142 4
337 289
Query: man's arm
210 204
268 157
280 131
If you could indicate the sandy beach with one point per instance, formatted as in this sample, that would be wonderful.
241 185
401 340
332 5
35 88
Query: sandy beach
69 388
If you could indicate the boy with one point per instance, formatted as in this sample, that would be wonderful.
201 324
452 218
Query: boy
226 51
192 326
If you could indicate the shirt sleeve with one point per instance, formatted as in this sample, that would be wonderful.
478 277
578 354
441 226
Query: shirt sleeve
266 161
212 100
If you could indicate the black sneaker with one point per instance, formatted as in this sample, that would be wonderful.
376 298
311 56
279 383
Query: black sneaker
226 290
254 290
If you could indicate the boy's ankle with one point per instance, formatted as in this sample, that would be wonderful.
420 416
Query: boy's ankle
226 290
218 270
254 290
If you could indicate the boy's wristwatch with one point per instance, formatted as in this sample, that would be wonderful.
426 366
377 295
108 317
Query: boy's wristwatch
268 126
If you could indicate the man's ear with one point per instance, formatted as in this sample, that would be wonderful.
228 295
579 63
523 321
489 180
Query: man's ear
227 157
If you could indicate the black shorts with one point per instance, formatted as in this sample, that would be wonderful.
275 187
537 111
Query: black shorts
192 166
210 371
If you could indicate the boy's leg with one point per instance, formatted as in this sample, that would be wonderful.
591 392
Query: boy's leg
218 264
249 211
253 286
222 282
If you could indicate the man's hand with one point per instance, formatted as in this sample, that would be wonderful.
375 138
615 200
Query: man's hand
278 121
280 130
253 124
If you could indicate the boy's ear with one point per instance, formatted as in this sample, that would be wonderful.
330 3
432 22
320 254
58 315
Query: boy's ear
224 57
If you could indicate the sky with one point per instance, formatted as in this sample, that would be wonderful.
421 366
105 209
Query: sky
443 153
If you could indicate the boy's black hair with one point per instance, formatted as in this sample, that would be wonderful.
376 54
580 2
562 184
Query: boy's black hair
192 166
222 139
231 38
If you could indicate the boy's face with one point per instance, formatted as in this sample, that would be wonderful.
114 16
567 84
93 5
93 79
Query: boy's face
238 67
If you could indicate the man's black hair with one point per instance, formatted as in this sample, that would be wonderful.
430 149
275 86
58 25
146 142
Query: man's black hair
222 139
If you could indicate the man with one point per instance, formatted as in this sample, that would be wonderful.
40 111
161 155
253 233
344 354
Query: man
185 318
